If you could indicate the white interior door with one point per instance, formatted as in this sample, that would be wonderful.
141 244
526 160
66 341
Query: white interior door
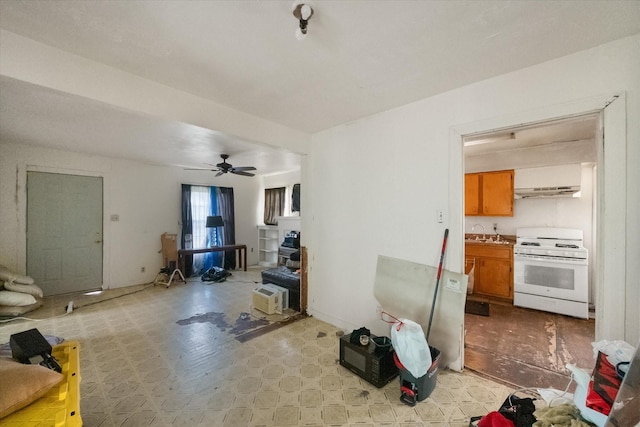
64 232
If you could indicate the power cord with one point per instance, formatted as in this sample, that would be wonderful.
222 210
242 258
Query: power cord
34 320
566 390
534 391
71 307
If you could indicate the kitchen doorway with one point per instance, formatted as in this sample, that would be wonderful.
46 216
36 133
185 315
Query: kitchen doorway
599 112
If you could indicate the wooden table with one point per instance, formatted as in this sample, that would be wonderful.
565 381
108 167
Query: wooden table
241 253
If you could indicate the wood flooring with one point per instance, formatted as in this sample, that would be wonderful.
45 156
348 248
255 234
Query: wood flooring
527 348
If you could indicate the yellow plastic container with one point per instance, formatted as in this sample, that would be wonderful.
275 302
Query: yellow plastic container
61 405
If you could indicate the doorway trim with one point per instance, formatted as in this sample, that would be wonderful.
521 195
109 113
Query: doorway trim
612 176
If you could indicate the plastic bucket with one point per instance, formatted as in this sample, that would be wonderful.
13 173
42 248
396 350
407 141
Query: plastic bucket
412 389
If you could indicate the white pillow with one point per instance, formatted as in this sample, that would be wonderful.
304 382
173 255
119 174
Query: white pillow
25 280
24 289
8 276
16 298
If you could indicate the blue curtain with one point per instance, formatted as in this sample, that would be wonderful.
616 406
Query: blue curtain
212 259
226 209
186 225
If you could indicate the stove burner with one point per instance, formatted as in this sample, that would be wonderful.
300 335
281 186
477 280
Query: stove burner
530 244
567 245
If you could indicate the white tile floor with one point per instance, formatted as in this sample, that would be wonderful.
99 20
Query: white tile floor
141 366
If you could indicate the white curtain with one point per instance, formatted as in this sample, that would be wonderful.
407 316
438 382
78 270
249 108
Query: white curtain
200 209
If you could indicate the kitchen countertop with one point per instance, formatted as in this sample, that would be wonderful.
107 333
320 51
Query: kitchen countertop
471 239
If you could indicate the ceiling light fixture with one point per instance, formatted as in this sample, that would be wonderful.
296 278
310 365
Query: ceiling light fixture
302 12
485 138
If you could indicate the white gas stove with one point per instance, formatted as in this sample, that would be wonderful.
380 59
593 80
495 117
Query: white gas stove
551 271
555 243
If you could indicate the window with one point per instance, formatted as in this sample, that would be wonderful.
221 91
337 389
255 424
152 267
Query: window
199 202
273 204
200 209
295 198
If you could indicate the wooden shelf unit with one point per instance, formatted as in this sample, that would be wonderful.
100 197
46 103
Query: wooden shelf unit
269 243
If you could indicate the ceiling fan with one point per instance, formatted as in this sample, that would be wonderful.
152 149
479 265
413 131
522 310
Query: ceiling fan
225 167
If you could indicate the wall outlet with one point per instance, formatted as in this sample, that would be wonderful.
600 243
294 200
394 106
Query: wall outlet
142 269
440 214
115 217
379 312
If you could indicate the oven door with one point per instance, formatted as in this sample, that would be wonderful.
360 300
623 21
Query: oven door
551 277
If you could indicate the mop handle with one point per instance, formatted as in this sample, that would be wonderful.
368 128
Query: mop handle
435 293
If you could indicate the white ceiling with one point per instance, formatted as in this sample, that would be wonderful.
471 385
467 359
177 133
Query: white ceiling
359 58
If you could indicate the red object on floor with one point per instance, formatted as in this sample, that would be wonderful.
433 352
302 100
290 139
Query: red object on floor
605 379
495 419
596 402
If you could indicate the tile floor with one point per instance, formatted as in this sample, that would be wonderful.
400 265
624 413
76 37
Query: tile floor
171 356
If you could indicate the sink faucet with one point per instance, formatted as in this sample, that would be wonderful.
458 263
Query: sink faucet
474 227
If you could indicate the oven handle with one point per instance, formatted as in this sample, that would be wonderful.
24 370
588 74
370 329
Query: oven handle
549 259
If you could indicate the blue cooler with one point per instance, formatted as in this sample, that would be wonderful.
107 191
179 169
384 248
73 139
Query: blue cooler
412 389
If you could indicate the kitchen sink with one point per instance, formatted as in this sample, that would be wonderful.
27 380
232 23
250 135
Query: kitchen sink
490 241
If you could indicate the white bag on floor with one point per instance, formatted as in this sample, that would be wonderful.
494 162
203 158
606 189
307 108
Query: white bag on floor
411 347
616 351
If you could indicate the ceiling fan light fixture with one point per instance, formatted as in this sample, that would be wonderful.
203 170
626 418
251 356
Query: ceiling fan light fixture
224 167
303 12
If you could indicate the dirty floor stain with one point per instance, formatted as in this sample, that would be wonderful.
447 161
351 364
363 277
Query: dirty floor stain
243 323
216 319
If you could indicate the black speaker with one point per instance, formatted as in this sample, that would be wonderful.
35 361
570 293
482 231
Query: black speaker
30 347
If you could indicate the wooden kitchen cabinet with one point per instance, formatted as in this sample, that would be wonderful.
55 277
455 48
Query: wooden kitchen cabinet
472 194
493 273
488 193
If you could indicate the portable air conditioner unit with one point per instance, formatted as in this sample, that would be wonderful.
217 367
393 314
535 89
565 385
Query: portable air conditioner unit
265 300
283 296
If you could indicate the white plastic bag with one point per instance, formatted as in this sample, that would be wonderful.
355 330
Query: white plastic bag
616 351
582 379
411 347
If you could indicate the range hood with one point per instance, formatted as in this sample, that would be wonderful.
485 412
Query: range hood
548 181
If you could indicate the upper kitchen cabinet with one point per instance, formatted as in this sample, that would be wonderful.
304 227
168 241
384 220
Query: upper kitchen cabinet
488 193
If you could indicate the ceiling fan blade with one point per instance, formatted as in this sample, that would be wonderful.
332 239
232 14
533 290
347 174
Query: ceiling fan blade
244 168
198 169
219 173
242 173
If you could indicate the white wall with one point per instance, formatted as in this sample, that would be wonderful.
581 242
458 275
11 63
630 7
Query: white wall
391 172
146 197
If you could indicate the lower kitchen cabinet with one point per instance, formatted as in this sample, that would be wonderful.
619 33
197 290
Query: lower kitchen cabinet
493 272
